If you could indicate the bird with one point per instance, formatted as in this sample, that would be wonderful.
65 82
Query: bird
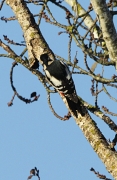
60 77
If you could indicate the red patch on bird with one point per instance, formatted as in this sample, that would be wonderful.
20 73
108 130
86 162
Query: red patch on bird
62 94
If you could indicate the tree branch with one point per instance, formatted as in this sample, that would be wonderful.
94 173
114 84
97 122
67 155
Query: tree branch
33 37
107 26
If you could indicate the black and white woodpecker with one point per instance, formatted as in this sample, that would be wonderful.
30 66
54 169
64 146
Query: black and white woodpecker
59 76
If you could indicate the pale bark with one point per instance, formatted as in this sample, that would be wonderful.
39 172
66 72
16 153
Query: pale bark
107 27
80 11
34 40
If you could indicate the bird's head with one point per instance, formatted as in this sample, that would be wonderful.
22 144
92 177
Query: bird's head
45 59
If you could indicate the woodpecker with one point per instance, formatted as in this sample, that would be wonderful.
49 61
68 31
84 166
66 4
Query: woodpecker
59 76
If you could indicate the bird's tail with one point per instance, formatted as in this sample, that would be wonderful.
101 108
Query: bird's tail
74 107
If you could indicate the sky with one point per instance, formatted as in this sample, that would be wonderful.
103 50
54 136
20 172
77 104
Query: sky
30 135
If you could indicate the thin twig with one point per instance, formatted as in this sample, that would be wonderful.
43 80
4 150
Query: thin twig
89 30
100 176
1 5
108 112
100 114
53 111
12 42
40 14
36 97
96 96
69 48
105 90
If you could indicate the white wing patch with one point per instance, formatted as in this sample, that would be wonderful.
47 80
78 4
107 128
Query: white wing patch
55 81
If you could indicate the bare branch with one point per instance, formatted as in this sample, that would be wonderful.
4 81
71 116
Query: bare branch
108 112
12 42
7 48
100 114
66 117
100 176
33 95
1 5
8 19
105 90
34 172
107 26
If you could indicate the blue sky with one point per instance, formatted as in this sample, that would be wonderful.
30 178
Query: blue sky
30 135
